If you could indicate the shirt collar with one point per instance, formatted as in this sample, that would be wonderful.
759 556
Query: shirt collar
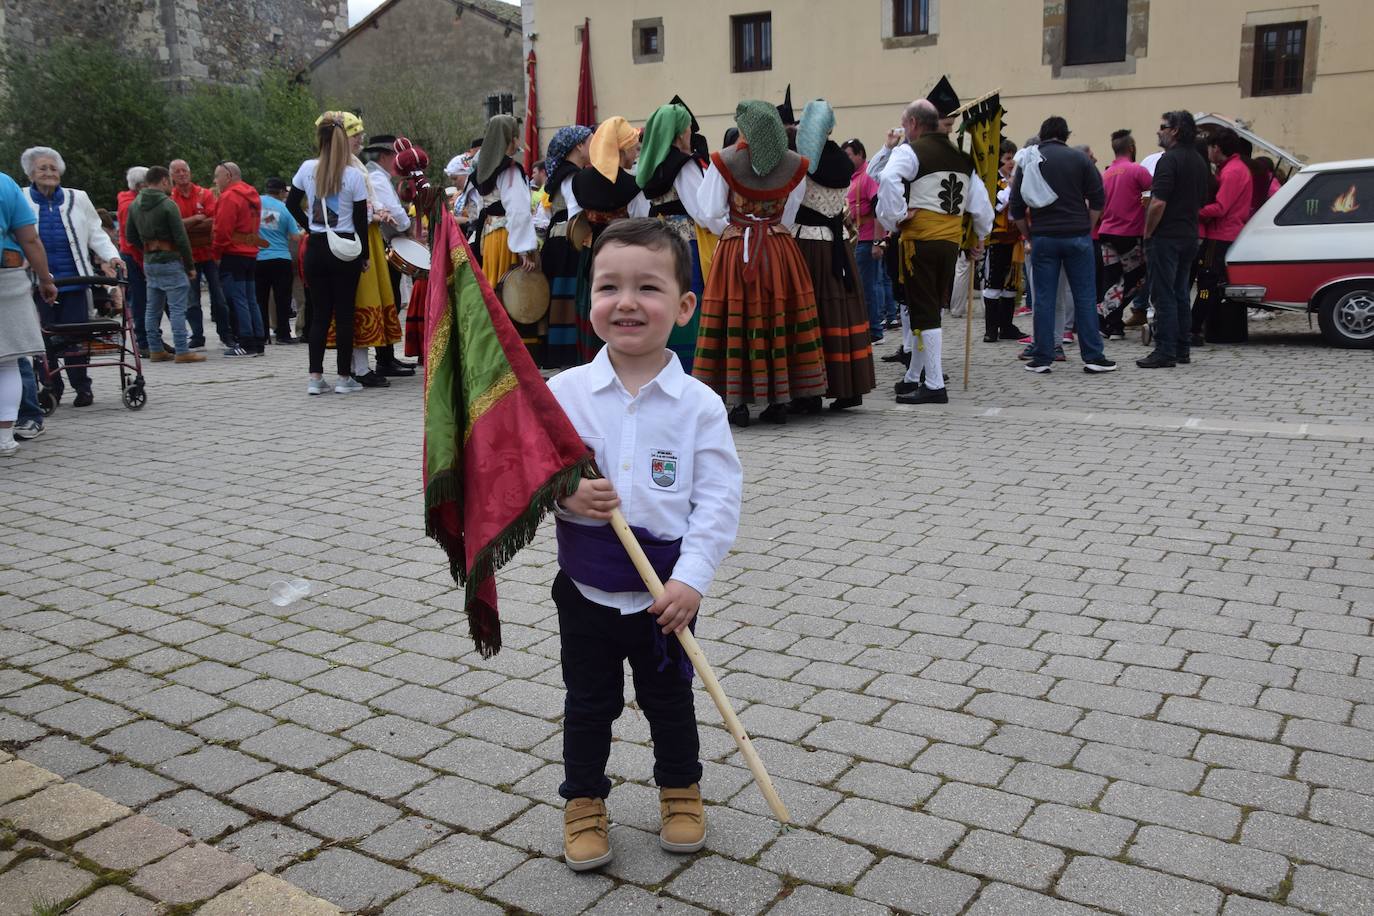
670 379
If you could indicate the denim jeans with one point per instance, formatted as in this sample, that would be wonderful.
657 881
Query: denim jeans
870 280
1074 255
29 410
1170 261
208 272
238 275
168 288
137 293
595 642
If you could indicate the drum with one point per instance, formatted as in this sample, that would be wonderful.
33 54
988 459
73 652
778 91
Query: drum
408 256
525 294
579 231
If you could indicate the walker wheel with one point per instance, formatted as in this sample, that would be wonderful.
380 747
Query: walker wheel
135 397
47 402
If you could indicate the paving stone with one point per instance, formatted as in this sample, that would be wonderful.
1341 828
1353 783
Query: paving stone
40 880
195 872
211 677
544 886
726 886
400 737
806 803
233 724
1256 756
197 814
62 756
1000 899
463 803
1333 739
432 900
177 704
954 762
295 747
627 900
889 784
268 845
1140 766
1146 735
1325 891
905 832
1221 717
115 901
816 858
215 770
1172 809
126 784
281 793
915 887
1054 784
130 843
1225 865
348 880
148 742
540 828
468 861
1033 745
1084 831
404 838
19 778
376 773
979 807
1334 847
1131 890
484 762
814 901
1255 790
638 857
1004 858
62 812
264 895
323 713
346 816
937 724
84 718
1339 772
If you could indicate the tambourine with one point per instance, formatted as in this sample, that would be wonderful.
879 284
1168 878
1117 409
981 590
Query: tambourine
579 231
525 294
408 256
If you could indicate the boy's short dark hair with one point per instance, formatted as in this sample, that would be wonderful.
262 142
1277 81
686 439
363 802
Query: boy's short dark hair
1006 146
649 233
156 174
1054 128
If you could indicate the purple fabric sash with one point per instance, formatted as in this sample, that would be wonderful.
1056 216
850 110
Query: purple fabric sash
594 556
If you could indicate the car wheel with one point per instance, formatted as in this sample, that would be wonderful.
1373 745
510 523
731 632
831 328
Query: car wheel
1346 316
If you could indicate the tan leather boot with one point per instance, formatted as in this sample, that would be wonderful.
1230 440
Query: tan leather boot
586 835
190 357
684 819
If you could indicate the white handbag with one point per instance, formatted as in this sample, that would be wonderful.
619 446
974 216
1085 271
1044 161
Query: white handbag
342 248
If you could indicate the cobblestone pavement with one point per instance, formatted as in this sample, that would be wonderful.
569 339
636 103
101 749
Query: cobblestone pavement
1070 644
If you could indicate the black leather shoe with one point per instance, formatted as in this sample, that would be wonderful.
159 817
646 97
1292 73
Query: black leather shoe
1011 332
805 406
774 413
845 403
372 380
739 416
395 370
1155 361
1183 360
400 364
905 387
924 395
990 337
83 399
897 357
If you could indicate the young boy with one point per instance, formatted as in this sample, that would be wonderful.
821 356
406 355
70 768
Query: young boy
662 440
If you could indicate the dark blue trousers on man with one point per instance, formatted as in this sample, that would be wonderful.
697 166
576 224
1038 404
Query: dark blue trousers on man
1169 262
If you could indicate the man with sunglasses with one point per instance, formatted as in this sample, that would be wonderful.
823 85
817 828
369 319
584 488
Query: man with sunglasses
1171 239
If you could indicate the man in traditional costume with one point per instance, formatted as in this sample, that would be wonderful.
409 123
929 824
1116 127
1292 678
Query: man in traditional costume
671 176
999 274
567 154
760 337
505 227
834 275
926 188
606 191
380 156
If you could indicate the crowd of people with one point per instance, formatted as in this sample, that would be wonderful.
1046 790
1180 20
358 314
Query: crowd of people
805 252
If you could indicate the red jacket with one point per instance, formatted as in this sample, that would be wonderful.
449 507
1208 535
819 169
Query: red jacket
1223 218
122 215
197 201
236 221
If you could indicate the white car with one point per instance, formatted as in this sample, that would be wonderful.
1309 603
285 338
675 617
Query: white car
1310 248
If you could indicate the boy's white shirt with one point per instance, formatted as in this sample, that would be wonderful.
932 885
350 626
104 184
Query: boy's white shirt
676 426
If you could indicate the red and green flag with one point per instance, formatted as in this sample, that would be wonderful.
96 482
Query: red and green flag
499 451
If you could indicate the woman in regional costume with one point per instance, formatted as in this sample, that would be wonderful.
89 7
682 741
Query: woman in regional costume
671 178
567 153
759 339
505 227
376 322
606 191
834 275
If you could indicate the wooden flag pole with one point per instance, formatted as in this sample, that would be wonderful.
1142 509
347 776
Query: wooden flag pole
708 677
968 321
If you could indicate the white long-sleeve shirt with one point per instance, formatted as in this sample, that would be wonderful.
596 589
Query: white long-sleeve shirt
687 185
515 197
903 165
670 456
714 201
569 198
385 196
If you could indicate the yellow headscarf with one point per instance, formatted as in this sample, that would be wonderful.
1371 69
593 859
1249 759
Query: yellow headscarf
352 124
614 135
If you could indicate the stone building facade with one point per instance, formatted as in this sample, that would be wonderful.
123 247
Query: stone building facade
190 40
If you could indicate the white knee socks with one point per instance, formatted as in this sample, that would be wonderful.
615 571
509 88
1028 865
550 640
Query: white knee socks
11 390
935 368
359 361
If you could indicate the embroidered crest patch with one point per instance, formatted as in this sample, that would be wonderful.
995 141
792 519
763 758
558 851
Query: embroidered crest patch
663 468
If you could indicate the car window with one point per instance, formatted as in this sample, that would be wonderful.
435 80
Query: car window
1332 198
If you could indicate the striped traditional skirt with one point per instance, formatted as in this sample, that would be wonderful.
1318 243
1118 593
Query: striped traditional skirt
759 340
844 321
560 261
683 339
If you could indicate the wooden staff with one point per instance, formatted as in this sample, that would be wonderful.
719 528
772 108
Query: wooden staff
708 677
968 321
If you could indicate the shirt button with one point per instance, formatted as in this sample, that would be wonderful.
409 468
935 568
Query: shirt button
626 465
630 409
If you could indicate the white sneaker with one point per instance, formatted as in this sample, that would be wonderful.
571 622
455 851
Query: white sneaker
347 386
7 444
316 386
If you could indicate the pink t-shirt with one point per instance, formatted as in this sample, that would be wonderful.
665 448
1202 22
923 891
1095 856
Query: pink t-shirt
862 189
1122 214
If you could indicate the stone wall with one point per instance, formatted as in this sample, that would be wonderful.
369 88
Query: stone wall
191 40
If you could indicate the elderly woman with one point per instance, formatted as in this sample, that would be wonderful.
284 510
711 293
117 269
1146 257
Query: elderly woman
76 245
